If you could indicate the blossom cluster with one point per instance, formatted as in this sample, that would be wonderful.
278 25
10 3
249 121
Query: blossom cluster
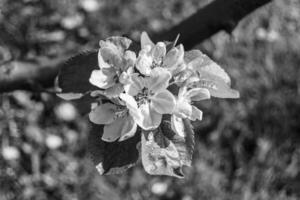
151 90
135 90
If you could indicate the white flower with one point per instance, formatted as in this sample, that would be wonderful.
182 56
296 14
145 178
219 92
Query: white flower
116 120
156 55
147 98
114 60
184 109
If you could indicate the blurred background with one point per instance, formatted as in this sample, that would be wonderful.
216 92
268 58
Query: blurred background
246 149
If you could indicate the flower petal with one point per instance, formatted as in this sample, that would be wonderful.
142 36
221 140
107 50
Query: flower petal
129 59
112 56
145 40
111 132
135 85
196 114
183 108
177 125
125 76
128 129
144 63
158 51
163 102
198 94
148 118
174 58
122 128
122 43
103 114
159 79
131 104
102 78
102 64
114 91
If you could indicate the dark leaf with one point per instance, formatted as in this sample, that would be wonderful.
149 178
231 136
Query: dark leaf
112 157
75 73
84 104
159 154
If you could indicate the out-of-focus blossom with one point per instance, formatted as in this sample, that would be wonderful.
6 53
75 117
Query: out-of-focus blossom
10 153
91 5
53 141
159 188
66 111
73 21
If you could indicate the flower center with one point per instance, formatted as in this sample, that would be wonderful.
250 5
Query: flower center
156 63
120 112
143 96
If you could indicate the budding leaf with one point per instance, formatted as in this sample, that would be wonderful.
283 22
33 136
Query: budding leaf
112 157
159 154
210 74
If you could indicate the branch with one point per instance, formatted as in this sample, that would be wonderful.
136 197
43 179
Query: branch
29 75
219 15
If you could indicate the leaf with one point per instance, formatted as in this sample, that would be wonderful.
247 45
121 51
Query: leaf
217 87
112 157
205 66
191 55
159 154
75 73
184 145
69 96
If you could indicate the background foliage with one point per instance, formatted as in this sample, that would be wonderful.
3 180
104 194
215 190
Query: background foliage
245 149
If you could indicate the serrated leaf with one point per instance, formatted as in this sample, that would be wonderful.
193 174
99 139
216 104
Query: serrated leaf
205 66
217 87
112 157
159 154
184 145
74 74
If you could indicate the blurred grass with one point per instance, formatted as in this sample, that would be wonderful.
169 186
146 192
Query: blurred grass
246 149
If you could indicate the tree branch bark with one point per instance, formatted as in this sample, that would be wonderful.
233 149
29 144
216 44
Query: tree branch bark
217 16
